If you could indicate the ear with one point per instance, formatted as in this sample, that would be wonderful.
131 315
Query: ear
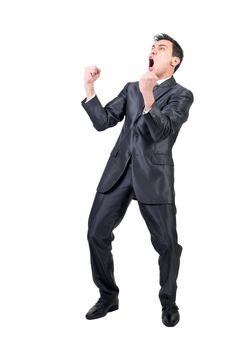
175 61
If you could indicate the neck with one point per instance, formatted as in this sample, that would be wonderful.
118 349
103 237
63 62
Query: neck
165 75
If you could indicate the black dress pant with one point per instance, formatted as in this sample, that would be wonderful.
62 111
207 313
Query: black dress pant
107 212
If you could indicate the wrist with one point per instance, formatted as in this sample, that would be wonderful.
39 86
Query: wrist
148 100
89 88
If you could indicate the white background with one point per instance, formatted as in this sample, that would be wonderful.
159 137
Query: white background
52 159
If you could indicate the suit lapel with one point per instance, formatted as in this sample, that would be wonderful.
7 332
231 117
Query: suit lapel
158 91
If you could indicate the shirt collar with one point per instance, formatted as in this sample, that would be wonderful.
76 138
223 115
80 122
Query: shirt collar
160 81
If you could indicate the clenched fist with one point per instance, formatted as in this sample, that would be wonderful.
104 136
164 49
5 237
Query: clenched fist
147 82
92 73
146 86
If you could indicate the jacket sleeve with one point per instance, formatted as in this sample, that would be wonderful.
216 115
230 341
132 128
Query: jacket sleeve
163 123
108 116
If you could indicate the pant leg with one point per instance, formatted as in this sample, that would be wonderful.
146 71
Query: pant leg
161 222
107 212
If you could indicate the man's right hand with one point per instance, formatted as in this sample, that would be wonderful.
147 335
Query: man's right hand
92 73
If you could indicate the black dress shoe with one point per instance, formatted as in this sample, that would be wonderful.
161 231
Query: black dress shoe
101 308
170 315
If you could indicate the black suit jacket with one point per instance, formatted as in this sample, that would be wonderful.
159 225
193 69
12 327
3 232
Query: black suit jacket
147 138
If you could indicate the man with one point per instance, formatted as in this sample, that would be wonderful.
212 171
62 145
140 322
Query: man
140 167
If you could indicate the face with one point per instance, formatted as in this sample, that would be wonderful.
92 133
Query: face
161 61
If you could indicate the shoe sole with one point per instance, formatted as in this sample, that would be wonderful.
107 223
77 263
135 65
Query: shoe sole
112 308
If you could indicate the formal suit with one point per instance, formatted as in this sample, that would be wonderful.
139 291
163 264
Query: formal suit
140 167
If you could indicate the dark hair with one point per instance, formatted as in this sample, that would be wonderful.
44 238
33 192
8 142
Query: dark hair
176 48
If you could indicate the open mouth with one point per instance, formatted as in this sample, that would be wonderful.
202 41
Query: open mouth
151 62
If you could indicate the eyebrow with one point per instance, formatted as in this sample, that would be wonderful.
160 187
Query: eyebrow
160 45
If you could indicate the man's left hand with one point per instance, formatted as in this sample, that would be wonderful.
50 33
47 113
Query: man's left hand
147 83
146 86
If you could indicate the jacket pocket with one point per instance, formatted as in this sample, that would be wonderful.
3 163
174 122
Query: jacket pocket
162 159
